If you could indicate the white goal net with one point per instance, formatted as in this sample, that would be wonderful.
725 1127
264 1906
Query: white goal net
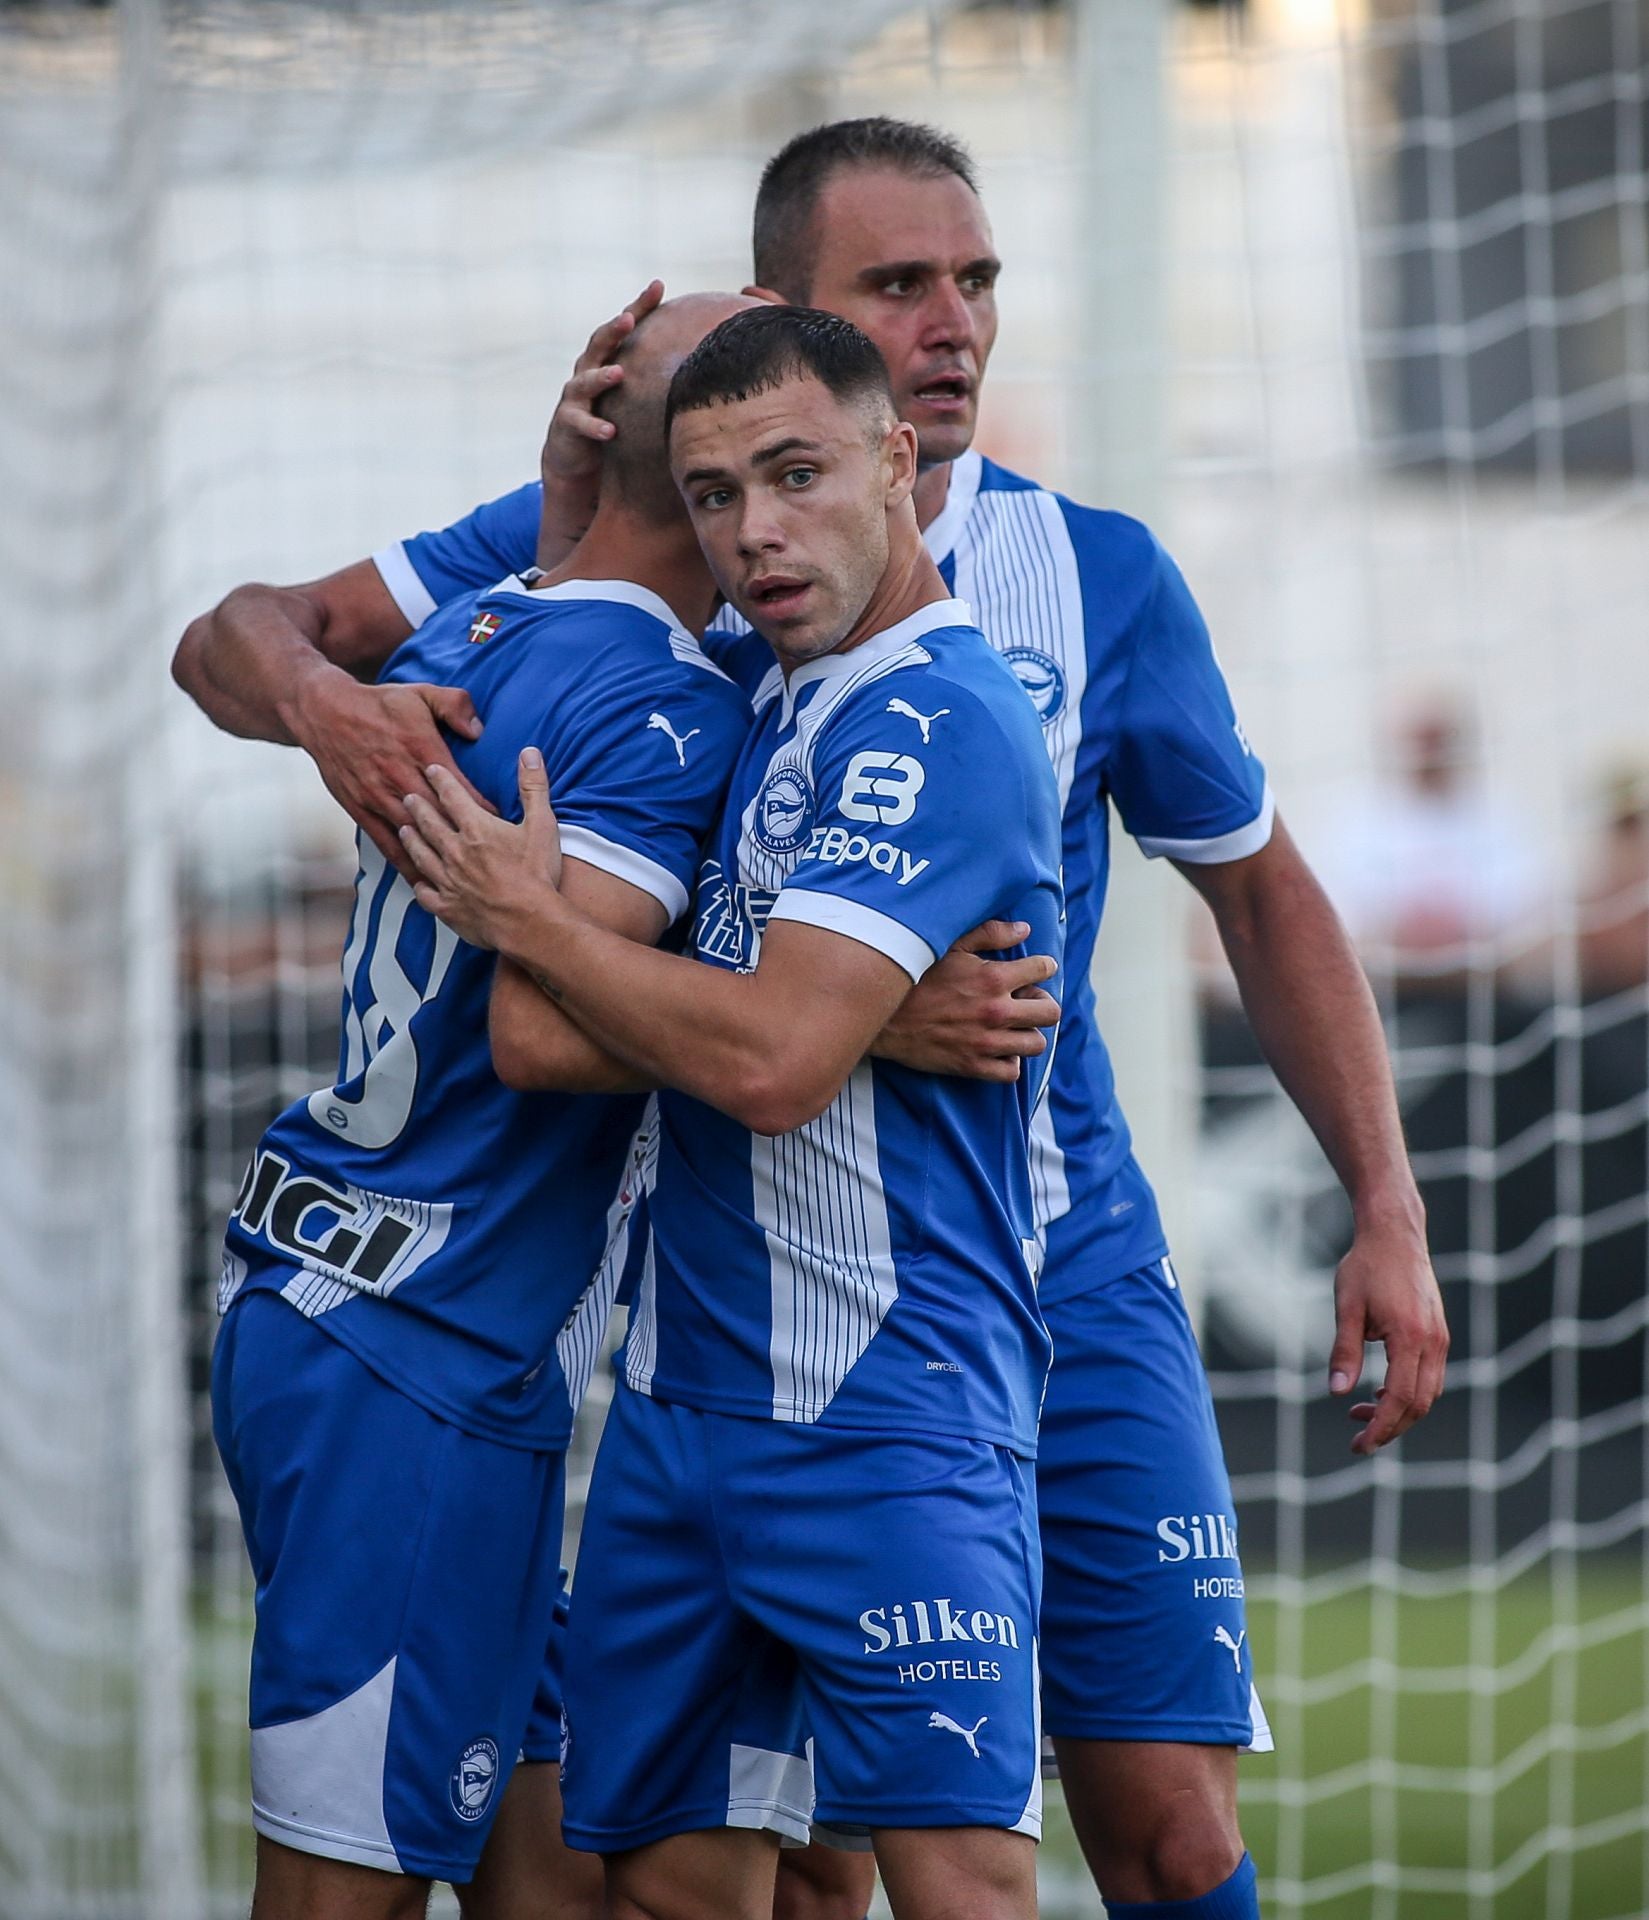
1350 298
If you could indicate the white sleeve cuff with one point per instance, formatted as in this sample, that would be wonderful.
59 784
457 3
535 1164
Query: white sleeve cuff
624 863
864 924
1237 845
405 588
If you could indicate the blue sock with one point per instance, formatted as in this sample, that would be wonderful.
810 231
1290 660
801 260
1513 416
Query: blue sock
1235 1899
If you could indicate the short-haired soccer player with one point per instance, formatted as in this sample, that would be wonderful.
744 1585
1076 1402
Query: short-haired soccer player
812 1526
409 1316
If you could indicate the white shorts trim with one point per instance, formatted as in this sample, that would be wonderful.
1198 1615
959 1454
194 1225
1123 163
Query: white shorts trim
770 1792
318 1783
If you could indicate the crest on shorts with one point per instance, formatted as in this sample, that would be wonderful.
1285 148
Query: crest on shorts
474 1778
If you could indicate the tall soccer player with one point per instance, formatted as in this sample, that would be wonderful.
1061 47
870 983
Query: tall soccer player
882 221
813 1512
409 1315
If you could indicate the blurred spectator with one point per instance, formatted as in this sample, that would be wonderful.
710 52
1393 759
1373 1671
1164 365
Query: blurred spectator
1427 864
1614 908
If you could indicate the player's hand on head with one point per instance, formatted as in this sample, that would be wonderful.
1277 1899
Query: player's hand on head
372 743
975 1017
570 464
478 873
1385 1292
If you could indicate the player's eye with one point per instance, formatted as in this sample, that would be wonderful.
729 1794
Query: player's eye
899 288
798 477
714 498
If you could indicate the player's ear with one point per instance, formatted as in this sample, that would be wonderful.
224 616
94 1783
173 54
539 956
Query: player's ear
899 451
764 293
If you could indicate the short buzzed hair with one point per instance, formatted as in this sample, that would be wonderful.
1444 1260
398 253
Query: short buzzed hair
792 181
635 469
763 347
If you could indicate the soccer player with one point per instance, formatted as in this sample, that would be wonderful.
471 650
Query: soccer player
1148 1708
1146 1665
409 1314
813 1507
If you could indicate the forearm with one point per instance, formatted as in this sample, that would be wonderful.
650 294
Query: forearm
672 1021
536 1046
253 663
1309 1003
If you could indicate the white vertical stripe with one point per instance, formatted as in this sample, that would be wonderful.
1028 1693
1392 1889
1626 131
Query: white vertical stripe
578 1346
1030 1821
371 871
1016 567
820 1201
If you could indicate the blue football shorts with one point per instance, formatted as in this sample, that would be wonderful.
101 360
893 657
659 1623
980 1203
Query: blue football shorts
774 1624
542 1740
406 1583
1144 1636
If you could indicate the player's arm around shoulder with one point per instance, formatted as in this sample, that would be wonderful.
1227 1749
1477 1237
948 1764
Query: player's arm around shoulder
250 661
291 665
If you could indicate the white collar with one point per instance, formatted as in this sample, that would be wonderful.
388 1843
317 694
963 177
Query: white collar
942 535
623 592
880 646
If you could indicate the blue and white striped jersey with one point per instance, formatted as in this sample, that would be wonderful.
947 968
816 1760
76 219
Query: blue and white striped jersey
441 1226
874 1269
1103 634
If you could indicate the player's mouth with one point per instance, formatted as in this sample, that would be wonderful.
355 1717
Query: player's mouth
945 393
778 593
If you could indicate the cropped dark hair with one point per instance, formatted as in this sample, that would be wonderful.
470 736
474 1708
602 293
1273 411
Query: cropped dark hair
763 347
782 242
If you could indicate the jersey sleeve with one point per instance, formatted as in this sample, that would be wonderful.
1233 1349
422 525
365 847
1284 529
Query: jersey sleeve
638 765
1185 780
499 538
907 850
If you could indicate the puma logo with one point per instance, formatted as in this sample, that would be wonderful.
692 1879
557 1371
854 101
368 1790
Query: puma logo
656 722
967 1733
1233 1647
923 720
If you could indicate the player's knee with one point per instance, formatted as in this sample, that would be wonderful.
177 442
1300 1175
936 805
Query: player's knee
1183 1858
822 1883
297 1886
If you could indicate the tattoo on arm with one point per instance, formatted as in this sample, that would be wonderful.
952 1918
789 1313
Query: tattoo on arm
546 987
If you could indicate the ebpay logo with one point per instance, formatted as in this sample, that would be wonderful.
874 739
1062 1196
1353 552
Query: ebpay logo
882 787
838 847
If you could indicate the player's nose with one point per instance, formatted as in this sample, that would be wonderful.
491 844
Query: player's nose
948 320
759 530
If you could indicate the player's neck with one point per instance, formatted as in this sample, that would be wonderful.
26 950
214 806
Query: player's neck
930 493
665 561
909 582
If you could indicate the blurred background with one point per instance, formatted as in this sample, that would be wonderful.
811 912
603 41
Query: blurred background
1350 299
